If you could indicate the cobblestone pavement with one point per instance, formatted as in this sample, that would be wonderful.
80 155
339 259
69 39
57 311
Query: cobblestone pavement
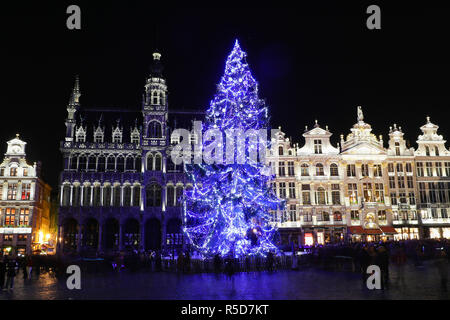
309 283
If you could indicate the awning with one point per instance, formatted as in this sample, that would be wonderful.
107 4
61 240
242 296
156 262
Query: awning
389 230
356 230
372 231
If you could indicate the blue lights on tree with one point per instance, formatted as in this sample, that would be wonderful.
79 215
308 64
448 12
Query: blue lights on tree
227 211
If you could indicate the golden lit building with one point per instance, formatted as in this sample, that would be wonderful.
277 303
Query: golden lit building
24 203
360 190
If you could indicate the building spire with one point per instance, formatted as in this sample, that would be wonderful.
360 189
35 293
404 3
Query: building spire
360 114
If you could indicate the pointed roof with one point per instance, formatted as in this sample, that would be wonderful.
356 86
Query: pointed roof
156 68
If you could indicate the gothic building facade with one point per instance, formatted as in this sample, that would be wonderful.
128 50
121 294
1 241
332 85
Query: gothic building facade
360 190
118 189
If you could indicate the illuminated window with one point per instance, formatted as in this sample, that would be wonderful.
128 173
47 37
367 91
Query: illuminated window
353 193
377 172
291 169
306 194
25 172
319 169
379 192
304 170
334 172
13 172
335 194
24 217
351 170
317 146
10 214
367 192
292 190
354 215
438 169
429 166
321 196
420 172
12 191
382 215
26 188
365 170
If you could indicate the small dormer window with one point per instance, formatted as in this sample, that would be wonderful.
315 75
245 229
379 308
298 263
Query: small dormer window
25 172
397 148
134 139
13 172
436 151
427 150
2 172
317 146
81 135
280 151
117 138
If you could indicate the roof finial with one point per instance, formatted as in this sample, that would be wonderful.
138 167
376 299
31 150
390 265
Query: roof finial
17 135
156 55
428 119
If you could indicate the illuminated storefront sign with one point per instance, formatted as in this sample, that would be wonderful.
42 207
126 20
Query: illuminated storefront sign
15 230
309 240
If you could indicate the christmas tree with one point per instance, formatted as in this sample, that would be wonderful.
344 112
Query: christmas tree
228 209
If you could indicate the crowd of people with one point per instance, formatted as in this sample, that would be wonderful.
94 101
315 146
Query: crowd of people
383 254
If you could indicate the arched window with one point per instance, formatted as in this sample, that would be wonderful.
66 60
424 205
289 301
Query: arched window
92 163
321 196
179 196
136 195
304 170
116 196
149 162
158 162
170 196
334 172
107 196
82 163
101 164
138 164
96 196
153 195
280 151
126 196
319 169
154 129
76 193
120 164
86 195
66 196
111 163
74 162
130 163
436 151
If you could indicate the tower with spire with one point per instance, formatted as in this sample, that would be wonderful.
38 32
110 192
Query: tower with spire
72 108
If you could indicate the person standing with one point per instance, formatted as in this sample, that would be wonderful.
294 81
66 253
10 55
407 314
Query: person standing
29 264
3 262
11 272
441 264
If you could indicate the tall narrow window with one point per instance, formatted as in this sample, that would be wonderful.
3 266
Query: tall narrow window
12 191
377 171
154 129
306 195
438 169
179 196
335 194
351 170
365 170
321 196
436 151
158 162
76 197
334 172
292 190
170 196
420 172
26 189
10 215
291 169
353 193
101 163
153 195
136 195
379 193
107 196
282 190
281 169
397 148
304 170
319 169
126 196
427 150
86 195
367 192
116 196
66 196
24 215
317 146
429 166
13 172
96 196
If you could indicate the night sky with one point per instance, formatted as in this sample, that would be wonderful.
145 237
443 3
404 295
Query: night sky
311 61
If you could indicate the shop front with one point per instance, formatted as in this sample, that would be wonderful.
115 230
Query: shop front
360 234
406 233
438 232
